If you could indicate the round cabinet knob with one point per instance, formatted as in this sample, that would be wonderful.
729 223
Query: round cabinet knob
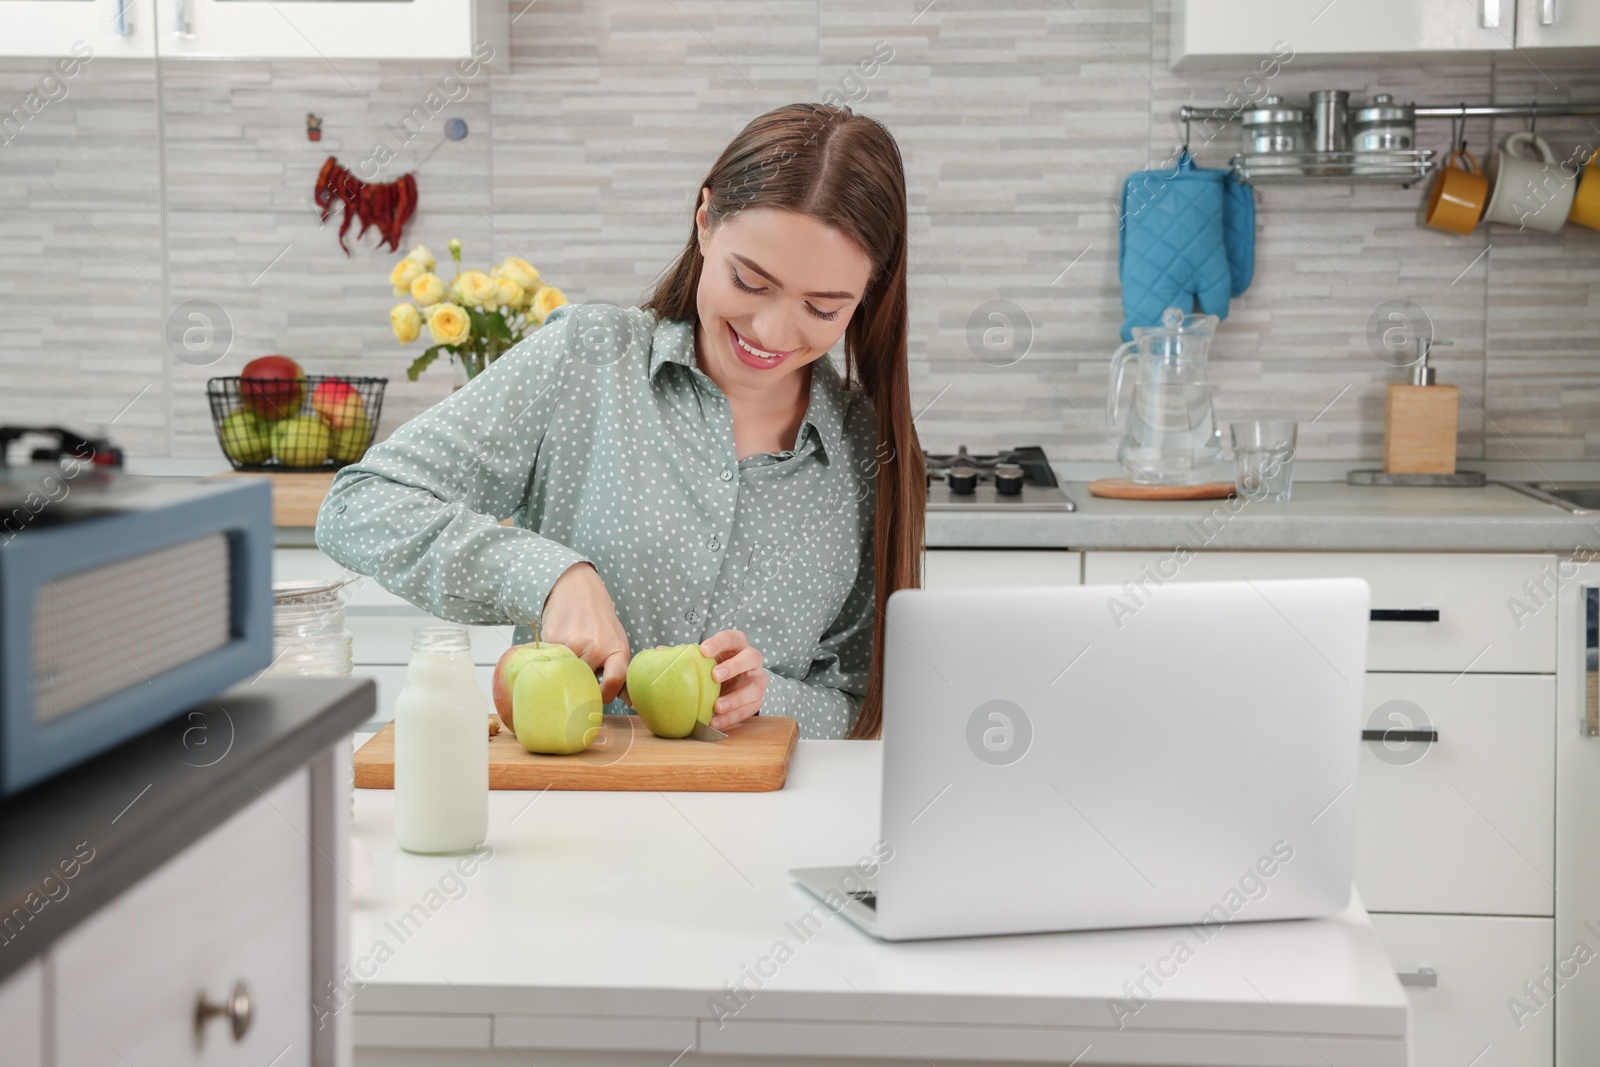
962 479
236 1009
1008 479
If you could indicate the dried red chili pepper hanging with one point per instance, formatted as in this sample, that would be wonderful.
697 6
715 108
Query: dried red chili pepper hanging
386 205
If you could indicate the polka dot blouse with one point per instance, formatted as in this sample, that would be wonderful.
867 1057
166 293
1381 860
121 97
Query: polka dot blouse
603 442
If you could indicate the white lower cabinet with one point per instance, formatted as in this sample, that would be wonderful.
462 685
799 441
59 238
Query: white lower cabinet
22 1017
232 910
1466 823
983 568
1479 1012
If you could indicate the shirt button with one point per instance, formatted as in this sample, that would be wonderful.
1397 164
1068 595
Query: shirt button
727 475
690 615
714 543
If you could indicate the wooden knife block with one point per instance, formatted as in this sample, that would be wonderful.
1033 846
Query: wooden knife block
1419 429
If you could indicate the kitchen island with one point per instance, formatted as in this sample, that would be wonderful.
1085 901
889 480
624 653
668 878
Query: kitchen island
663 928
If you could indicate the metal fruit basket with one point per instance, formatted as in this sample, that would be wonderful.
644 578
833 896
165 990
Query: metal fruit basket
314 423
1394 166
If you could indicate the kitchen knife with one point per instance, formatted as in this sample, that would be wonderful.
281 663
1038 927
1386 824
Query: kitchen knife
705 732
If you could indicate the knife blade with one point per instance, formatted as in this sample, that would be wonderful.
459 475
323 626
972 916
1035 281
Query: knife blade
705 732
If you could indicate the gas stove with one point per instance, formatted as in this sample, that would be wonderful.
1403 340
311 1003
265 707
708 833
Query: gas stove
1019 479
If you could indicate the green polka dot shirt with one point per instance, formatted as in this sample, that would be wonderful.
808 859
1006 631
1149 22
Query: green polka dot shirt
604 442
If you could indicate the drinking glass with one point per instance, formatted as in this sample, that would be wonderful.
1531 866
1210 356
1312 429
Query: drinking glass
1264 453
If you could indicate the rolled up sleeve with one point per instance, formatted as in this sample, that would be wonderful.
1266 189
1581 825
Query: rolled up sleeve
421 511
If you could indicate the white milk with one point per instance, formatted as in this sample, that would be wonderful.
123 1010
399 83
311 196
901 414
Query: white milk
441 747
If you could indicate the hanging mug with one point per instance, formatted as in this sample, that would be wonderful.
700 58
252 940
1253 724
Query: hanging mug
1457 196
1586 202
1529 193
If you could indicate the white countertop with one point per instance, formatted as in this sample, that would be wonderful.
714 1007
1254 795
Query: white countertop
614 920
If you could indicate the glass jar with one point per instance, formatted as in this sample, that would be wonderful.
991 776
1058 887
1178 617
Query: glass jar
1274 129
441 747
309 637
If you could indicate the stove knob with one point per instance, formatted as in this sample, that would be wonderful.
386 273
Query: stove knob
963 480
1008 479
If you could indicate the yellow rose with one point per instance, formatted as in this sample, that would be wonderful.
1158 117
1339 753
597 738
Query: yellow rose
547 300
519 271
405 321
427 289
405 272
449 324
476 288
509 294
421 255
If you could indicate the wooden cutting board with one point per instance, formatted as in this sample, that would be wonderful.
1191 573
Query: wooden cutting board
626 756
1125 489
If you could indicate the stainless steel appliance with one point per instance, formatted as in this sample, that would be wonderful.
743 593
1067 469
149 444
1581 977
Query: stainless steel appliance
1019 479
124 601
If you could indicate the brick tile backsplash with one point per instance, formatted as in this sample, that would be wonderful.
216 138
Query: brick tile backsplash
151 184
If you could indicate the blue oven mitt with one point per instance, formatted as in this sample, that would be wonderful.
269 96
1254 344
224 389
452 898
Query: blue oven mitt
1188 235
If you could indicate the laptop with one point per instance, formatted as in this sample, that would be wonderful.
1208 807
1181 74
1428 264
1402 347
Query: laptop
1091 757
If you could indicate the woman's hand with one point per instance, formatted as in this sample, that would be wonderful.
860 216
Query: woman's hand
579 613
739 669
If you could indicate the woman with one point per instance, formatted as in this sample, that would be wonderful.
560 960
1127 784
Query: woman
700 457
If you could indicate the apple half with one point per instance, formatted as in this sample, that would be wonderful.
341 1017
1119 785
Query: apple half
671 687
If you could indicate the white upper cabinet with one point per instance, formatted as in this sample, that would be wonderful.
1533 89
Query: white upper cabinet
1558 24
1279 30
476 31
76 31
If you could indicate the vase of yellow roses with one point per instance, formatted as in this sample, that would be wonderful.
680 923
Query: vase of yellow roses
476 316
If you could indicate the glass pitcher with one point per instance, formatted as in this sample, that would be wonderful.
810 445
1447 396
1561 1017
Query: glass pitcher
1171 436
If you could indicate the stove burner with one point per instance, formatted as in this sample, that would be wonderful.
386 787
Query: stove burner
1018 479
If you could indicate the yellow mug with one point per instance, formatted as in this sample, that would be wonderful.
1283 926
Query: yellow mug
1458 195
1586 203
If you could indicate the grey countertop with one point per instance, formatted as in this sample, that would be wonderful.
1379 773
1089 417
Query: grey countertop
123 814
1325 516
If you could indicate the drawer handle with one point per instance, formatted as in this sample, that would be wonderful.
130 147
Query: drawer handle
236 1009
1426 977
1591 660
1405 614
1399 735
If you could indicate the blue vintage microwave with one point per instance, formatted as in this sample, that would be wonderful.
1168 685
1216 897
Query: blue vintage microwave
124 602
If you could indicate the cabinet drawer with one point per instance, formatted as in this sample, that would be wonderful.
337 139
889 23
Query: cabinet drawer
1451 612
1480 963
1467 823
390 679
232 907
973 568
22 1016
380 623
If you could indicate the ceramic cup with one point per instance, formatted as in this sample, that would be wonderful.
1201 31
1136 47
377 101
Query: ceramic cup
1458 195
1529 193
1586 202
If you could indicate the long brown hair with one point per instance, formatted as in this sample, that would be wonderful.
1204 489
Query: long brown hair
845 171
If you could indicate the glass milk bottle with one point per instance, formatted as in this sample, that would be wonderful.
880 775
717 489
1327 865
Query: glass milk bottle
441 747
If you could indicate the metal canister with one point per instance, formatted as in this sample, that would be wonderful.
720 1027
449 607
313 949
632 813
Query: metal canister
1273 128
1383 126
1328 111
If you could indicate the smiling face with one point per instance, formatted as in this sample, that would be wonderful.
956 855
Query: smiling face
777 292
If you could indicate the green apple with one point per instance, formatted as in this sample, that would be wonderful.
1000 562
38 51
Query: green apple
301 441
246 437
672 689
555 703
507 669
350 443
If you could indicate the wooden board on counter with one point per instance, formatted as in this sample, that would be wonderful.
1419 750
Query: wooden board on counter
1125 489
296 496
626 756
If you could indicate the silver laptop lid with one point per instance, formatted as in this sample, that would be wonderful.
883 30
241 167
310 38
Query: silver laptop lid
1077 757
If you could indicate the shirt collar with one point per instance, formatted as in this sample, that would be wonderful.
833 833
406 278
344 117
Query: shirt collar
673 342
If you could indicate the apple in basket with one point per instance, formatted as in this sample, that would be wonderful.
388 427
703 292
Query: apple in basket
338 402
272 387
